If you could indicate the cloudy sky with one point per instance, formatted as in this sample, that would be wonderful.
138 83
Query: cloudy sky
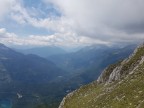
71 22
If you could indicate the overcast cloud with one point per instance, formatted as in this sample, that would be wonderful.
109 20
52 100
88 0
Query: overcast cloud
105 19
77 21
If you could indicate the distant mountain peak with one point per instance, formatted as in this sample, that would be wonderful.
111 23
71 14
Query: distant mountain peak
45 51
3 46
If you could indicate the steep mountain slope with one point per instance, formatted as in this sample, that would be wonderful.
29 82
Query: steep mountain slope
86 65
30 76
27 67
89 73
44 51
40 81
119 86
90 56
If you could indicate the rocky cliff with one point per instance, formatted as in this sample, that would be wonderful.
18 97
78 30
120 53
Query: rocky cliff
119 86
121 69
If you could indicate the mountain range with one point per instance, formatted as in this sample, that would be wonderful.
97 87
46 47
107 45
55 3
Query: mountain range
87 63
27 68
28 75
43 51
120 85
44 81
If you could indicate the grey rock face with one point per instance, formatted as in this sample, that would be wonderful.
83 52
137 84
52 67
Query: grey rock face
115 75
117 72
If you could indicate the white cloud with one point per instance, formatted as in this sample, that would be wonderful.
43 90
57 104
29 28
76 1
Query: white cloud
5 34
100 18
5 7
111 21
68 39
81 21
23 16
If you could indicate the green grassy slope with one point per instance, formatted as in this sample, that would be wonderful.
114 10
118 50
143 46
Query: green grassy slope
127 92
